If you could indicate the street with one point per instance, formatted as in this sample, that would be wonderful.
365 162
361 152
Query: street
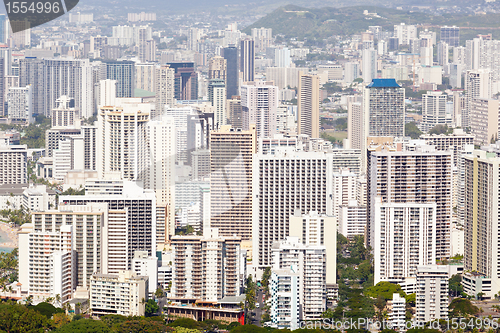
258 312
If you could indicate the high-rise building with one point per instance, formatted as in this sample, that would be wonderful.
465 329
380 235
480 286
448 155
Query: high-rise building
217 97
145 76
308 105
131 218
484 120
72 78
369 65
186 81
3 28
14 164
164 88
123 72
128 291
89 146
398 177
122 142
405 238
20 103
404 33
434 110
230 54
450 35
217 68
263 38
231 155
426 49
234 112
205 267
432 293
282 57
352 219
285 294
384 108
161 143
455 141
259 103
2 85
64 114
318 229
482 197
442 54
355 122
351 71
309 261
478 84
247 60
107 93
284 182
344 188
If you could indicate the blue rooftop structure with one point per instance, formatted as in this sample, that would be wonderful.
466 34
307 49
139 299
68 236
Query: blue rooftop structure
383 83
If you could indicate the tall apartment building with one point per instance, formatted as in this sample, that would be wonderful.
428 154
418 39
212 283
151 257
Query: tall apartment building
217 97
119 294
421 176
344 188
72 78
247 60
14 164
309 261
186 81
47 266
432 293
259 103
20 103
352 219
308 105
205 267
235 112
54 136
164 87
318 229
131 218
263 38
217 68
284 182
31 73
384 108
456 141
285 295
123 72
450 35
64 114
89 236
122 142
405 238
161 173
89 146
405 33
477 85
230 54
355 122
484 120
482 197
443 54
145 76
231 200
434 110
369 64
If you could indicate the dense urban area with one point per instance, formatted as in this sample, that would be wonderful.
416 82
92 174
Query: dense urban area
251 167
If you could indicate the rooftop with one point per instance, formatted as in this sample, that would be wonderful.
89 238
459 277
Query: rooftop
383 83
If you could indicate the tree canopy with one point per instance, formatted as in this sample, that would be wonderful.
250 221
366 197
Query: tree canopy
462 307
384 289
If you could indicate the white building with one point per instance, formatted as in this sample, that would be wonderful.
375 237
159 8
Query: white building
20 103
397 313
318 229
432 293
310 263
352 219
217 97
405 33
285 295
120 294
369 62
405 237
259 101
64 114
434 110
146 265
163 88
344 188
13 163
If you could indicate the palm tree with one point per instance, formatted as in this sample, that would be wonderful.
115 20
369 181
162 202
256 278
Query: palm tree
58 299
29 300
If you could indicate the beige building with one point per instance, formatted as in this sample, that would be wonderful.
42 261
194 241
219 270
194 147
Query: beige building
484 120
205 267
13 163
164 88
121 294
217 68
308 105
231 155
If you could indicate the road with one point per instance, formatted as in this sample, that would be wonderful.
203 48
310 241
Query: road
258 312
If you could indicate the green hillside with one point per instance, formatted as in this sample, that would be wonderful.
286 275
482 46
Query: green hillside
300 22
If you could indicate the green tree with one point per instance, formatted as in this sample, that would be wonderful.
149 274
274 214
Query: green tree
461 307
266 275
440 129
47 309
455 287
384 289
159 293
186 322
84 326
412 130
141 325
151 308
248 329
16 318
